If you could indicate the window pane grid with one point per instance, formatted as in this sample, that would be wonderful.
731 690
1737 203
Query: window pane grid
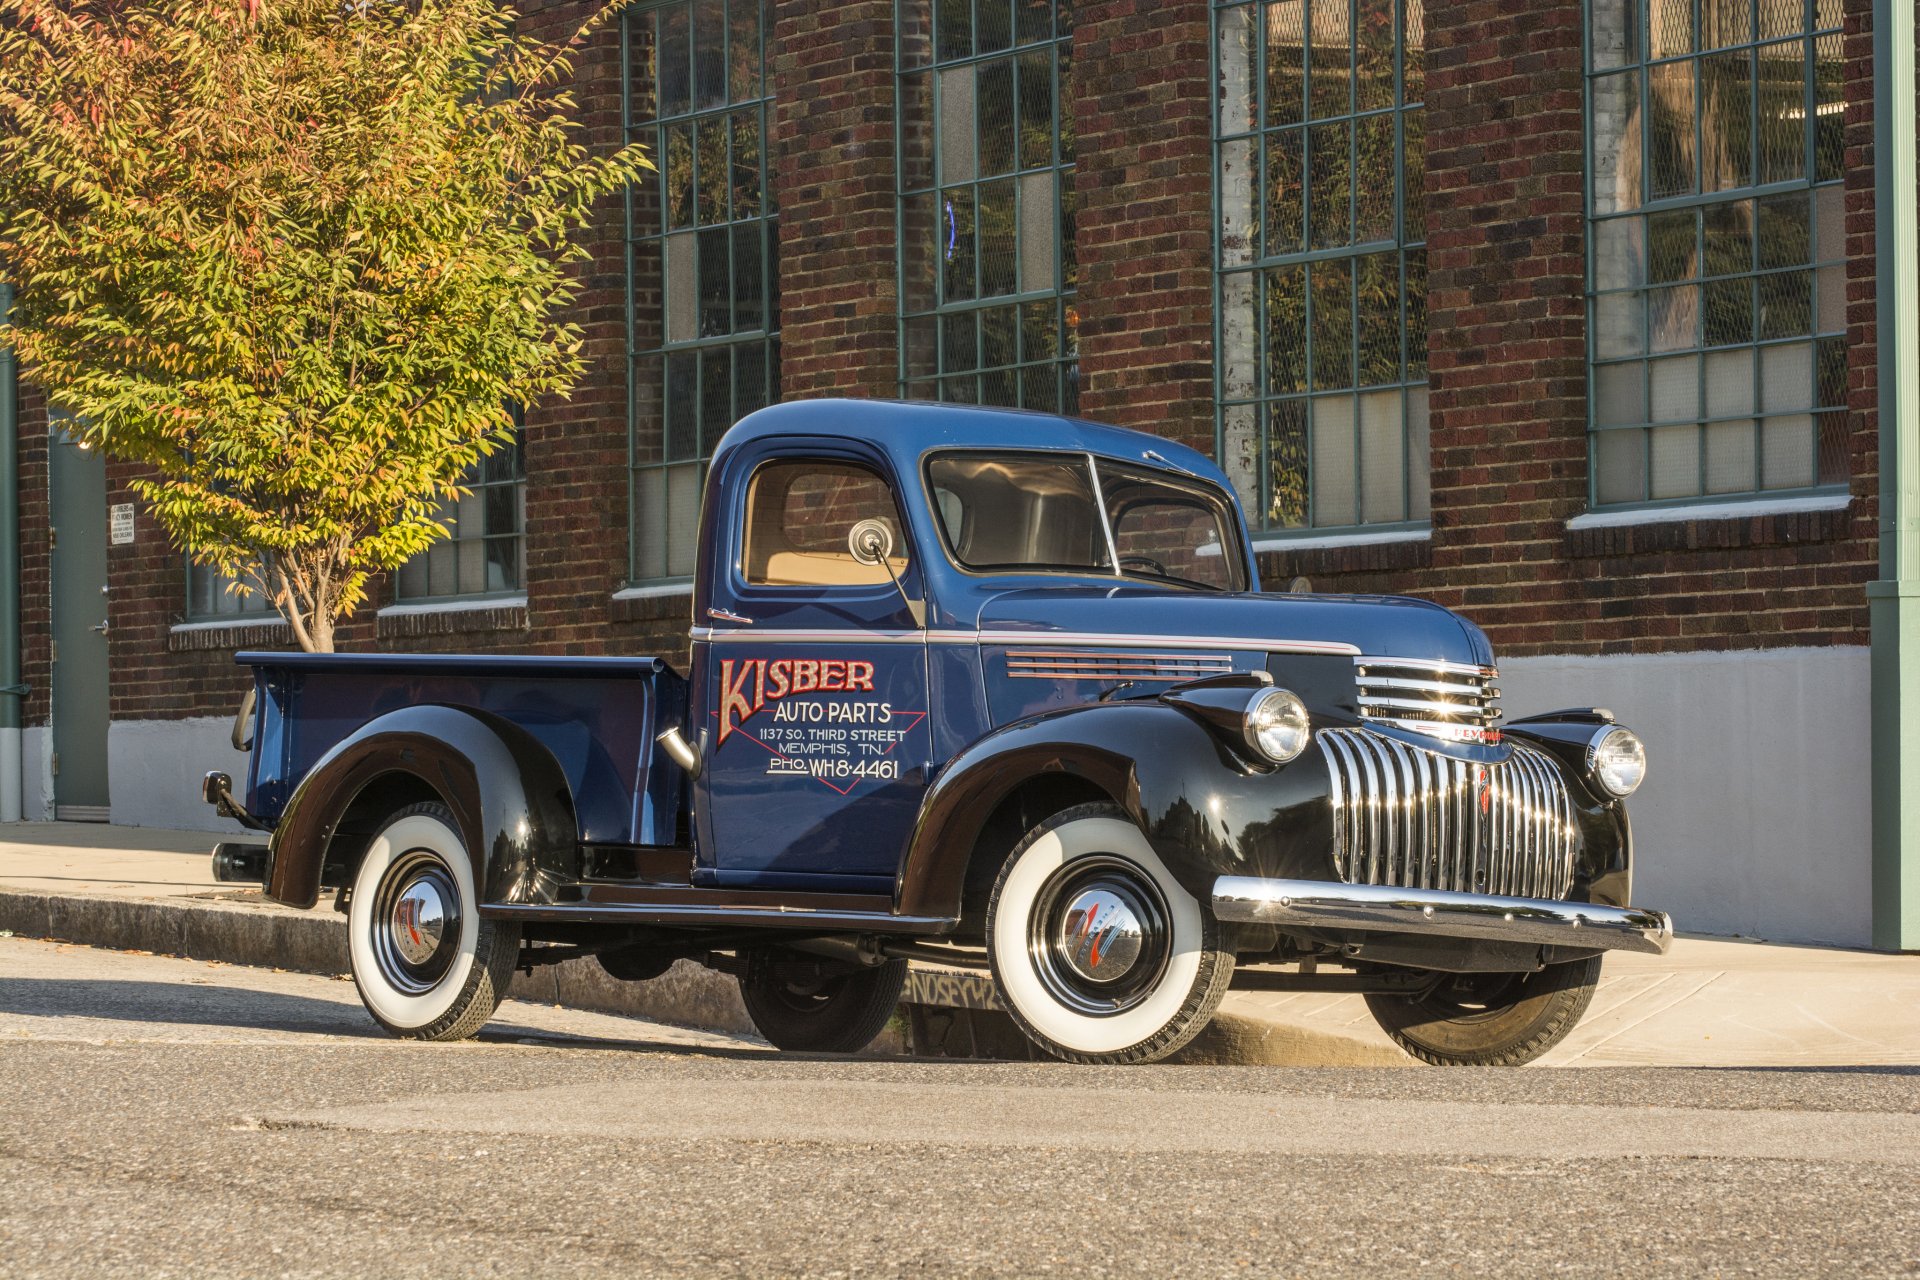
986 205
486 552
1320 245
1716 249
702 254
210 597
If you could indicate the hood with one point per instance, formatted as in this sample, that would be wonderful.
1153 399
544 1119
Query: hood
1377 626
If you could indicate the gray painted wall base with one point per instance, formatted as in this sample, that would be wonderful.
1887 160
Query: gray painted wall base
156 767
1755 818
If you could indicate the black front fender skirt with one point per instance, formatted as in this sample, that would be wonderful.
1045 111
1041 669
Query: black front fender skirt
508 795
1205 807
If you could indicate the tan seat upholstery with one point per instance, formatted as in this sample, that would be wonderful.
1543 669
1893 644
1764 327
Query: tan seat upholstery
824 569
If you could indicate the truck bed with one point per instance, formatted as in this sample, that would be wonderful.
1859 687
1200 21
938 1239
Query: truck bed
598 716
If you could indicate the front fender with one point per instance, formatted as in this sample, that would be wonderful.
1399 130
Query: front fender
508 795
1206 809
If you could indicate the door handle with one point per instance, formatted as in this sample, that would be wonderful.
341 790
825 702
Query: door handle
722 615
101 627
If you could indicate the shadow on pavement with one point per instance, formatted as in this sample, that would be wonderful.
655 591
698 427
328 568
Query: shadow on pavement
185 1004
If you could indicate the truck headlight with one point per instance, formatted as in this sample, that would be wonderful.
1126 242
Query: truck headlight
1277 725
1617 760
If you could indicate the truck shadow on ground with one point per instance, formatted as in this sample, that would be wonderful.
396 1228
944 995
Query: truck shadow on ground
196 1003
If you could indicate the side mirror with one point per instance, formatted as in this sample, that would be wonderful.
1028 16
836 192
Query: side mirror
871 543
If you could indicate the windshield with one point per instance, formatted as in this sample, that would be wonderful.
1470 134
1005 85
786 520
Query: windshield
1041 512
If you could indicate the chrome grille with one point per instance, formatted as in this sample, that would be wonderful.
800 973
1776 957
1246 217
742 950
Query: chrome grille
1449 700
1415 819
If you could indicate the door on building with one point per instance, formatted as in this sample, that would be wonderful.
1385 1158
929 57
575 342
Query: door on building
79 522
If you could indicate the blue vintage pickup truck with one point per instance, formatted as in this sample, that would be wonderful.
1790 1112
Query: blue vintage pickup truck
973 687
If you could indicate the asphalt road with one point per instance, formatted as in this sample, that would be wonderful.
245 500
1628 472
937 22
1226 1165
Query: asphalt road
164 1117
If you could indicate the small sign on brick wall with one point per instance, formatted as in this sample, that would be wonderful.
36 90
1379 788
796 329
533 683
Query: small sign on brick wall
120 525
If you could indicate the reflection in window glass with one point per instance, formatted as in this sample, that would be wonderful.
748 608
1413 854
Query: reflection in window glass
1718 312
702 241
1322 335
986 145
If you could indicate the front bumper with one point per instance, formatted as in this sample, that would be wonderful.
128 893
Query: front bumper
1369 908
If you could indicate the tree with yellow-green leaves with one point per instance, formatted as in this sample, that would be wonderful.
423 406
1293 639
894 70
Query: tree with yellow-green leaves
297 259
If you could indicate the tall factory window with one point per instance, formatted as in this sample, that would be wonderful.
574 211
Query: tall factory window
1322 264
986 203
1716 257
702 313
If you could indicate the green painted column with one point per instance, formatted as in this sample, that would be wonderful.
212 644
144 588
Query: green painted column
1894 600
11 690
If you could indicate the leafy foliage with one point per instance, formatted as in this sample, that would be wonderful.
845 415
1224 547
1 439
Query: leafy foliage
296 258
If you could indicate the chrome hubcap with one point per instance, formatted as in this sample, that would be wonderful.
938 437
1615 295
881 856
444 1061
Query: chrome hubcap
419 921
416 922
1099 936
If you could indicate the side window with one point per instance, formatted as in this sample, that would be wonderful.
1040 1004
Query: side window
799 513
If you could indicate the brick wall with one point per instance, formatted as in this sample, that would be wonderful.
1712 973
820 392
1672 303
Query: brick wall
1507 317
1142 109
832 157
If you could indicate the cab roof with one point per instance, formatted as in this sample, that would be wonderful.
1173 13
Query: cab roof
910 429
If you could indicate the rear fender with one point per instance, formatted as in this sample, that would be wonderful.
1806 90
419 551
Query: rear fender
508 795
1207 810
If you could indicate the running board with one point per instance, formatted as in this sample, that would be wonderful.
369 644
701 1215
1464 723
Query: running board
702 915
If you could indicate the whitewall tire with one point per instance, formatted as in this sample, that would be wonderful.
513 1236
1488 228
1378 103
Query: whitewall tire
1097 951
427 966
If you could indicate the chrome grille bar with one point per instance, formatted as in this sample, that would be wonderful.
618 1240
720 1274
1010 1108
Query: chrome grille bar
1448 700
1410 818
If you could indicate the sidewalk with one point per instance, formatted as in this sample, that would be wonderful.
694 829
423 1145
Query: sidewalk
1710 1002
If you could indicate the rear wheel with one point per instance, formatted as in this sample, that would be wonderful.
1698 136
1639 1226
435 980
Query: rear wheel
1490 1019
1097 951
800 1006
426 965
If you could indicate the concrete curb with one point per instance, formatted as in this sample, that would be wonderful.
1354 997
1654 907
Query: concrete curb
316 942
689 994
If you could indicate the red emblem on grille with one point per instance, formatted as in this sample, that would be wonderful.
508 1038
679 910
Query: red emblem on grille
1486 790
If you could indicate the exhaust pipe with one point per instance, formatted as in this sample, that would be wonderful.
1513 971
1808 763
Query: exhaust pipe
240 863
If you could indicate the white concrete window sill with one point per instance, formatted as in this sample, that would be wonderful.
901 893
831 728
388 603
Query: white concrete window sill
235 623
654 592
1741 510
476 605
1330 541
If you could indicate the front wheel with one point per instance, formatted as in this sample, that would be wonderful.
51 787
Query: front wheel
1097 951
426 965
1490 1019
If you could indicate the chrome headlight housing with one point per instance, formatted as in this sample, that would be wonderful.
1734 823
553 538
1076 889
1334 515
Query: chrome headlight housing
1617 761
1276 725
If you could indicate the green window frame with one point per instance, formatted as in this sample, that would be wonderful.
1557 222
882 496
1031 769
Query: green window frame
1320 317
211 598
703 336
1716 258
486 556
984 164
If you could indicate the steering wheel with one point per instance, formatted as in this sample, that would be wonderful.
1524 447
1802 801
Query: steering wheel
1148 561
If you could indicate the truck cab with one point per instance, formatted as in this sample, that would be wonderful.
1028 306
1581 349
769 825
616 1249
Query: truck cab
983 688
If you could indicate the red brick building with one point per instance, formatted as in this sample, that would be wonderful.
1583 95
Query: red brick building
1561 315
